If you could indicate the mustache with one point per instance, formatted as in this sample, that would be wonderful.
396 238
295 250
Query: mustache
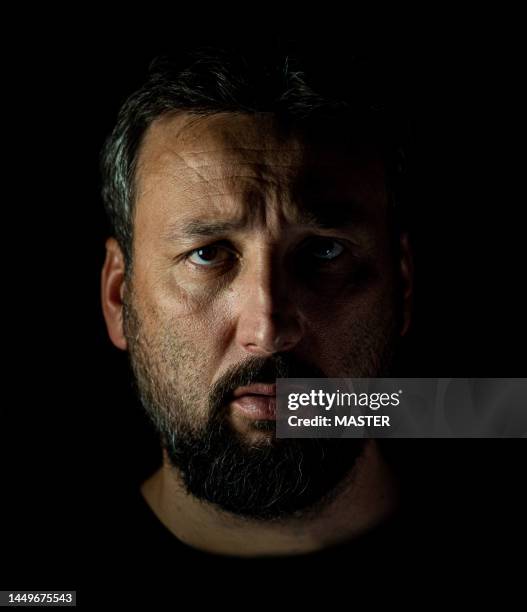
259 370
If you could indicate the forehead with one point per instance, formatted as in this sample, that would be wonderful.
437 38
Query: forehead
233 164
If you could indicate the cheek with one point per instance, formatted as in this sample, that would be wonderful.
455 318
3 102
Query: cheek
165 294
334 322
347 332
198 327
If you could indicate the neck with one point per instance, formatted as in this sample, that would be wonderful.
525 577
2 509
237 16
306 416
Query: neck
366 498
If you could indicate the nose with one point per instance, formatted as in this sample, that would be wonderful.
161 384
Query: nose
269 321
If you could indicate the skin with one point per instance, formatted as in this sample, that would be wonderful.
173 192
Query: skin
263 294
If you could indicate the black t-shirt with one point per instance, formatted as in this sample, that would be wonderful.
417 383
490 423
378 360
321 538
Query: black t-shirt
119 552
140 559
459 526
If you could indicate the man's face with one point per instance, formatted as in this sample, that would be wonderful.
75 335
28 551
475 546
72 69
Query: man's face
256 253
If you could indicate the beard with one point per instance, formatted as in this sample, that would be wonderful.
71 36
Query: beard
267 480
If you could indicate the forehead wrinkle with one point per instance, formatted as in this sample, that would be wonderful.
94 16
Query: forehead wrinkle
264 202
313 216
188 226
223 134
243 209
223 180
174 153
245 149
273 191
222 162
168 168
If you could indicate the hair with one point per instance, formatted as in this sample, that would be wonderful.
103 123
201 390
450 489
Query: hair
213 80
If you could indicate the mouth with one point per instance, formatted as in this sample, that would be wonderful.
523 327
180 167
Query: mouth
256 402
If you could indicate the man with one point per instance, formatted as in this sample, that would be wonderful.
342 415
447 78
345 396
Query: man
257 235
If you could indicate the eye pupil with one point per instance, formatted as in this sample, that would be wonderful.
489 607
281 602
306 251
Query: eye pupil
327 249
207 253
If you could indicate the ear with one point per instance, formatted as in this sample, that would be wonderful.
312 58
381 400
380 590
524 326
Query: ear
407 280
112 291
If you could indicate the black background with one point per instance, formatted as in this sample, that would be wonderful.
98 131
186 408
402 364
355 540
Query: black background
75 439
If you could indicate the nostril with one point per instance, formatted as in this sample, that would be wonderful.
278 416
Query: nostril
281 343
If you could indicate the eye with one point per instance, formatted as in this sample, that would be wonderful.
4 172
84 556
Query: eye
325 249
208 256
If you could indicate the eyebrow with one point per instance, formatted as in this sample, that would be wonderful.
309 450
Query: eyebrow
322 216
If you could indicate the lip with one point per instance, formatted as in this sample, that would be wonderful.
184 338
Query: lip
257 402
256 389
